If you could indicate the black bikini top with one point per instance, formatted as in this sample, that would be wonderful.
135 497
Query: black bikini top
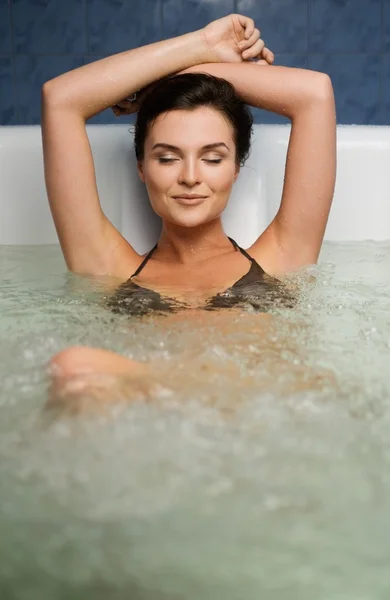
255 288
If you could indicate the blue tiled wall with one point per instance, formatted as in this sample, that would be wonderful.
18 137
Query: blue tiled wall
348 39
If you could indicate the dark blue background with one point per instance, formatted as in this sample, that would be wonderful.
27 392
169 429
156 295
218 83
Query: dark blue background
348 39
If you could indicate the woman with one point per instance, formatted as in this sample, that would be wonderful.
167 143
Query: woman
188 157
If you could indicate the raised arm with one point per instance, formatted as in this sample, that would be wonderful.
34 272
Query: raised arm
90 243
294 237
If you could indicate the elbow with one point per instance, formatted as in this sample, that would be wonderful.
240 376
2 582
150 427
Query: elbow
322 88
51 93
47 92
316 94
315 91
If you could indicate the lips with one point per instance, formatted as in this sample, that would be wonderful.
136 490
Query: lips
189 200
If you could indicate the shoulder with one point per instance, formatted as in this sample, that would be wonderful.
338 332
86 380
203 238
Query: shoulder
121 259
280 255
267 255
126 264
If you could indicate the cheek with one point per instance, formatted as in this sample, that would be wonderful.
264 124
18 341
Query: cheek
223 178
158 180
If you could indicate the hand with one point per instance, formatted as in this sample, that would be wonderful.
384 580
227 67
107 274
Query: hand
231 39
234 39
127 107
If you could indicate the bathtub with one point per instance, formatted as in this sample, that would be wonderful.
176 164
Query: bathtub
360 210
266 473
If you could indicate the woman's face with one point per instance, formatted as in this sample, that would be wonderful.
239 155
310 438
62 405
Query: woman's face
189 153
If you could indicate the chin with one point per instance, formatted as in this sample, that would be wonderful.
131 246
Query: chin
193 216
191 219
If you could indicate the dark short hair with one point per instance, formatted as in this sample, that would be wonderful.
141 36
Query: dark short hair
189 91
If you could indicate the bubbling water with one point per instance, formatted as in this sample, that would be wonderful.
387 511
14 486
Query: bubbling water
259 469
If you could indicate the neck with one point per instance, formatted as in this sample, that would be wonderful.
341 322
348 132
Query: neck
192 244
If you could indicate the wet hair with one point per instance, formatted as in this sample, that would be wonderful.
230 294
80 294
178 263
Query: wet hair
189 91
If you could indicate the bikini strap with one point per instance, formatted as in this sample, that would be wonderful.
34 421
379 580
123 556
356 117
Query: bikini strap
244 252
149 254
145 260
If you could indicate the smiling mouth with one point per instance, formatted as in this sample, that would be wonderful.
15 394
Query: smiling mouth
190 201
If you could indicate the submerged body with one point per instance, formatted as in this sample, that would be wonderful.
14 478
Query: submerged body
178 469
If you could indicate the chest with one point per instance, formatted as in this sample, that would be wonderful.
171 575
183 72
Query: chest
194 279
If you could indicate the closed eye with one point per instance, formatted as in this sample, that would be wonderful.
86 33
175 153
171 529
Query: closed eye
163 159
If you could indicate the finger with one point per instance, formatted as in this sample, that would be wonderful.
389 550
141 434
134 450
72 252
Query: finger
261 62
245 44
118 112
124 104
254 51
268 55
248 24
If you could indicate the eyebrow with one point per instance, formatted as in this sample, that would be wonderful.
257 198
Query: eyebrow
206 147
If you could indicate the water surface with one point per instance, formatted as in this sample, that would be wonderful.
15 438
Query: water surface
260 470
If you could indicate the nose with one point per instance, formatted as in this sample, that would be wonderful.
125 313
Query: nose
189 173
